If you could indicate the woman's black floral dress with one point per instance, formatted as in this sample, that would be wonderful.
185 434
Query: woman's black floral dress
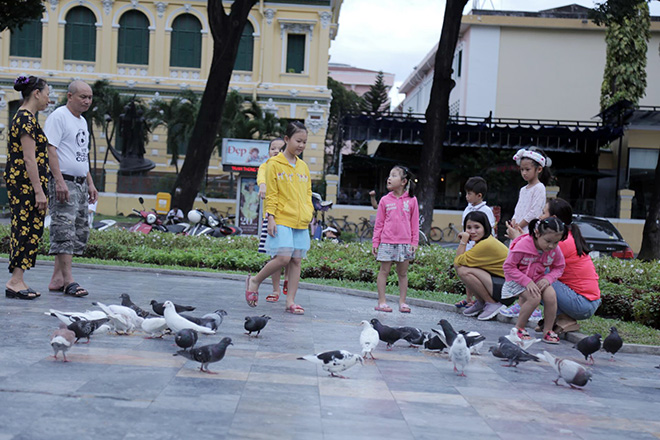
27 222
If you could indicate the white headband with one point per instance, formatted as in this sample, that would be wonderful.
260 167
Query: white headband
536 157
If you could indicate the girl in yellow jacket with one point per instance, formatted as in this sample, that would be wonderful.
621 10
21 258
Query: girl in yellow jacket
289 209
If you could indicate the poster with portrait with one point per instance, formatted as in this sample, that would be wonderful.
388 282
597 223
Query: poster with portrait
243 155
248 205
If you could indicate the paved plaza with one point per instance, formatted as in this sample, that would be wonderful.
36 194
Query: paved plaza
129 387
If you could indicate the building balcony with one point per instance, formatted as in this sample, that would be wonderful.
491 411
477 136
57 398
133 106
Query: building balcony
190 73
26 63
79 66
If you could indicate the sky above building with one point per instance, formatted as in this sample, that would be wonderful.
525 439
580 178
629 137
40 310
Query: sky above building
394 36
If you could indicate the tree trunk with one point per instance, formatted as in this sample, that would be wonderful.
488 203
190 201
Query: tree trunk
226 31
437 112
651 235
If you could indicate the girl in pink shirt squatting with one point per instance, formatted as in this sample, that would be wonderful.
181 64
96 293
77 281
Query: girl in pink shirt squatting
396 234
530 257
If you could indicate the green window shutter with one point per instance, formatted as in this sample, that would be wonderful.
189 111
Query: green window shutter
186 48
245 49
80 35
295 53
26 41
133 38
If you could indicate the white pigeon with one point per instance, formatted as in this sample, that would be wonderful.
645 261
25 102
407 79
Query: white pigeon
476 348
154 327
69 317
124 319
459 354
368 339
177 322
61 340
335 361
573 373
522 343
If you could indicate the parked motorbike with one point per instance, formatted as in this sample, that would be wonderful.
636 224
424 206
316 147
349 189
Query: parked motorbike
208 223
151 221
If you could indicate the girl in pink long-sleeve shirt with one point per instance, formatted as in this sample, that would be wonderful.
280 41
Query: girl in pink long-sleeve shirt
533 264
396 234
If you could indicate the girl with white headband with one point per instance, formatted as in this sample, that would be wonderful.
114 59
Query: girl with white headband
534 166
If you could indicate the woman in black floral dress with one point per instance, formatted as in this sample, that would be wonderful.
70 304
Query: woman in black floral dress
26 176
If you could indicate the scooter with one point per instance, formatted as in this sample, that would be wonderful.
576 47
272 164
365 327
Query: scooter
150 221
208 223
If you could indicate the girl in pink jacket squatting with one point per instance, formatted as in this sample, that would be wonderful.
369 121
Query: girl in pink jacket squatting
396 234
533 264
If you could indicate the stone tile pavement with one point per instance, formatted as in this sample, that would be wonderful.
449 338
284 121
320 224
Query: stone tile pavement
128 387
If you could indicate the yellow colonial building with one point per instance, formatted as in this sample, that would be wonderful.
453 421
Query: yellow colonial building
157 49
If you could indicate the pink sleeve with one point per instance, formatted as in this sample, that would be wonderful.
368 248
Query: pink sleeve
414 224
557 268
378 226
511 270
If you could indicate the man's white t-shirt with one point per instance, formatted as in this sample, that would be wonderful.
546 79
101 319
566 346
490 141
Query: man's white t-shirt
70 136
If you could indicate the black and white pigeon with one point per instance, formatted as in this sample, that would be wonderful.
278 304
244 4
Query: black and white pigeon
159 308
368 339
513 353
126 302
522 343
473 340
84 329
177 322
448 332
387 334
255 324
186 338
415 336
207 354
433 342
573 373
612 342
62 340
588 346
334 362
459 353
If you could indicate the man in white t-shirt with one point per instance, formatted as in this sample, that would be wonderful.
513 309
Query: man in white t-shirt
71 188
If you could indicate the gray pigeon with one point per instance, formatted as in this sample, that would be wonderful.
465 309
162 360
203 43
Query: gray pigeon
207 354
495 350
255 324
335 361
186 338
513 353
459 353
588 346
61 340
414 336
126 302
84 329
213 320
159 308
387 334
612 342
573 373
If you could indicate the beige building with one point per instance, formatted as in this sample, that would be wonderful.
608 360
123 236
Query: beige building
151 48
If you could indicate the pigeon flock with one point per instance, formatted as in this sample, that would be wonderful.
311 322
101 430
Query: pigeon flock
174 319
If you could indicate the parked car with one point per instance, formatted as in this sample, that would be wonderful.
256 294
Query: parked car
602 237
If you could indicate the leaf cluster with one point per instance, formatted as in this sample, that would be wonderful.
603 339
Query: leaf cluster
243 118
15 13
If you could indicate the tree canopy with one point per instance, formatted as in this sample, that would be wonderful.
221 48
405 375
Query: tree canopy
15 13
376 99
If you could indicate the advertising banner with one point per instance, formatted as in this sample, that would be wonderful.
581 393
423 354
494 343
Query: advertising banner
248 205
243 155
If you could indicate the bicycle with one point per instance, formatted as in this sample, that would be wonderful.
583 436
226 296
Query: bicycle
450 234
423 239
348 226
365 229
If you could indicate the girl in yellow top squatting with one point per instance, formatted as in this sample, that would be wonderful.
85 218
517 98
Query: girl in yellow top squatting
289 210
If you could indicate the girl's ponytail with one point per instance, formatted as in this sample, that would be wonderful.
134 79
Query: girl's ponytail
540 227
546 174
410 177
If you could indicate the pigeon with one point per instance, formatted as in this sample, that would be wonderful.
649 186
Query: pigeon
495 350
213 320
206 354
459 353
255 324
522 343
368 339
658 367
612 342
126 302
159 308
433 343
513 353
154 327
84 329
176 322
123 318
334 361
62 340
448 331
69 317
186 338
573 373
474 341
588 346
415 336
387 334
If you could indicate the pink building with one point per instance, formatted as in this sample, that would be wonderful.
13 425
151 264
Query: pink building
356 79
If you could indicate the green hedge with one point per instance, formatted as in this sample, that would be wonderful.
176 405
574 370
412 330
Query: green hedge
630 289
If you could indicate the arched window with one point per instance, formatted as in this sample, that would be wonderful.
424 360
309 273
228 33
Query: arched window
133 38
186 48
26 41
80 35
245 49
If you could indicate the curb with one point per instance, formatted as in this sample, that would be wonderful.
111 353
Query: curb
570 336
